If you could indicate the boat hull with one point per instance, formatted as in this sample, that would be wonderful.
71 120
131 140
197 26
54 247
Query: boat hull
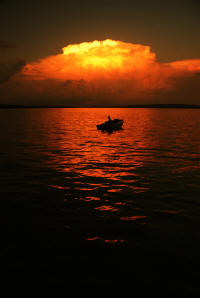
111 125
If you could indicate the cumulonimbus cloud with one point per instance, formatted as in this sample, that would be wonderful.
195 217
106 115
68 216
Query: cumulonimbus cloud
102 71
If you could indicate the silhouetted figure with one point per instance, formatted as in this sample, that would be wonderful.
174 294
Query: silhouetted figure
110 125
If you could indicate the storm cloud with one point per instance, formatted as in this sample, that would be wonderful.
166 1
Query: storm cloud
100 73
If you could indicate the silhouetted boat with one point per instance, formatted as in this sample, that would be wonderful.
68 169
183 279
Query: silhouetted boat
111 125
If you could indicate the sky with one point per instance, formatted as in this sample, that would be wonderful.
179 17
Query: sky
145 52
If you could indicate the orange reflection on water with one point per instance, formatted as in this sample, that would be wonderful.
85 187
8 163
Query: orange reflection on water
132 218
93 154
114 241
106 208
109 241
108 170
94 238
59 187
89 199
114 189
125 160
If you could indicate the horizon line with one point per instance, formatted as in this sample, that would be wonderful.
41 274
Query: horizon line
17 106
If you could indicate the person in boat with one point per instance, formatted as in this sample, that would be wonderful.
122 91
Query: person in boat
109 119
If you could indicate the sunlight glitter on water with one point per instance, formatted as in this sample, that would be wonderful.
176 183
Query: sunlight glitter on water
132 218
144 172
107 208
90 199
108 241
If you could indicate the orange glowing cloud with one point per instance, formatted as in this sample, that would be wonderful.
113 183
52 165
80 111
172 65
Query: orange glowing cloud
192 65
105 70
94 60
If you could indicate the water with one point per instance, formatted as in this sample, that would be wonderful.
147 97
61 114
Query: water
127 199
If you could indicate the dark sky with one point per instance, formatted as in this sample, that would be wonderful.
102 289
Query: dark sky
42 27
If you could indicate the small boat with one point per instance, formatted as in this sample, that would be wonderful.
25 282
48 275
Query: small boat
111 125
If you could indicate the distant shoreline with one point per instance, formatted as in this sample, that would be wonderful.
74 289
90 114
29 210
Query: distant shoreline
160 106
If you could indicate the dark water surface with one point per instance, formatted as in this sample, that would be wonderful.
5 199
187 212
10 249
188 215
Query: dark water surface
115 210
